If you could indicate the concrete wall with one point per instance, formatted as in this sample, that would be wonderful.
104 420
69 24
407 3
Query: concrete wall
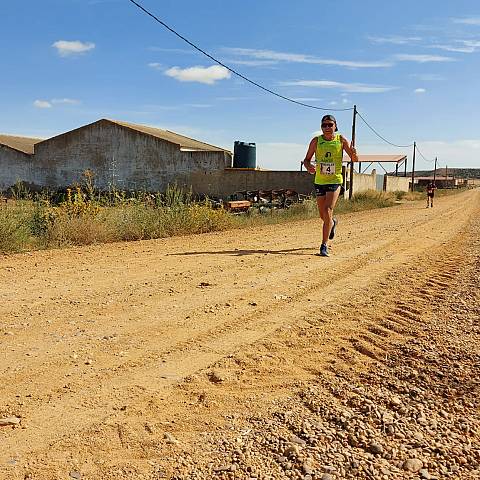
119 157
14 166
396 184
227 182
363 182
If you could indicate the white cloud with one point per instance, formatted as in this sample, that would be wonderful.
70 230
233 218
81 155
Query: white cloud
156 66
422 58
345 87
272 56
66 48
427 77
207 75
55 101
419 90
42 104
67 101
452 48
468 20
198 105
462 46
254 63
394 39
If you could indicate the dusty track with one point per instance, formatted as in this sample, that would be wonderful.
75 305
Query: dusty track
104 349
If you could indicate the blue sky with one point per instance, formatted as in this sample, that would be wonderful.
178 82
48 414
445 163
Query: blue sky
411 68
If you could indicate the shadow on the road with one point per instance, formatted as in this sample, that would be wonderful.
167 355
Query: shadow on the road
239 253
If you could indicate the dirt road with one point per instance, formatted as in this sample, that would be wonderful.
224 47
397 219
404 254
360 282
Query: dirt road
126 360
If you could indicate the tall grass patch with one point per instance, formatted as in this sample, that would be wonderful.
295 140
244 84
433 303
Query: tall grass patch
367 200
84 216
15 232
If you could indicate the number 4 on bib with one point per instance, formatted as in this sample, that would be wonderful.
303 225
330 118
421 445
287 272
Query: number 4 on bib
327 168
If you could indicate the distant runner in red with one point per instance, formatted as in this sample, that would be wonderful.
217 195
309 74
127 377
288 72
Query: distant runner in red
431 187
328 149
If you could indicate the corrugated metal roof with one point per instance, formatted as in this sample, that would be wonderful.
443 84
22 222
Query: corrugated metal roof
185 143
22 144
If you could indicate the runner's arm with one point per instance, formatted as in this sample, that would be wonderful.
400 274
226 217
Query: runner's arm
351 151
307 162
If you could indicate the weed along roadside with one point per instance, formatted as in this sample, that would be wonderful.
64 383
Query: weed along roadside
83 216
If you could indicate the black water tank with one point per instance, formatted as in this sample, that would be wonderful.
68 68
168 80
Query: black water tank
244 155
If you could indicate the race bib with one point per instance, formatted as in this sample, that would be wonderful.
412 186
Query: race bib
327 168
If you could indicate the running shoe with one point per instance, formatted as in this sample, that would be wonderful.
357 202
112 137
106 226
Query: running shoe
332 231
323 250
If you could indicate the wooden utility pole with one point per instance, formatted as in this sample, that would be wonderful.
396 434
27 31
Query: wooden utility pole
435 171
405 174
350 191
413 166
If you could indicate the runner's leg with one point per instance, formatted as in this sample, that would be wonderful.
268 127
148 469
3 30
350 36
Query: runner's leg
328 206
320 205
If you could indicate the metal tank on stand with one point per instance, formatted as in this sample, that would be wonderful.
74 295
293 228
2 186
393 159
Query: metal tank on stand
244 155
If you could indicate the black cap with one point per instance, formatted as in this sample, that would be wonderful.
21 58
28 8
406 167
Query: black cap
332 119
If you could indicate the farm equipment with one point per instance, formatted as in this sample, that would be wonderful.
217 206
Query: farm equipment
267 200
238 206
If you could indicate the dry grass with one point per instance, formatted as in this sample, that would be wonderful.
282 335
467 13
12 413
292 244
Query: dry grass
82 218
14 228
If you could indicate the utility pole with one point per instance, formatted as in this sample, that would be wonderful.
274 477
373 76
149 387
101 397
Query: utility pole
350 191
405 173
446 175
435 171
413 166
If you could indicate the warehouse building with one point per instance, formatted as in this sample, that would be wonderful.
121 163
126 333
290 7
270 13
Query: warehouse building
125 156
16 160
120 155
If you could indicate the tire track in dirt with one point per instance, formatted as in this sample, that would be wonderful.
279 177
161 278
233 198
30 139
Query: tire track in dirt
222 336
430 372
247 319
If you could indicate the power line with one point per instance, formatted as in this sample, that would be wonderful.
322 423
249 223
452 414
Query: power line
265 88
380 136
421 154
390 143
231 69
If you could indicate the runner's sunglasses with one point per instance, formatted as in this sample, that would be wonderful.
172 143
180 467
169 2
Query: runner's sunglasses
326 125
